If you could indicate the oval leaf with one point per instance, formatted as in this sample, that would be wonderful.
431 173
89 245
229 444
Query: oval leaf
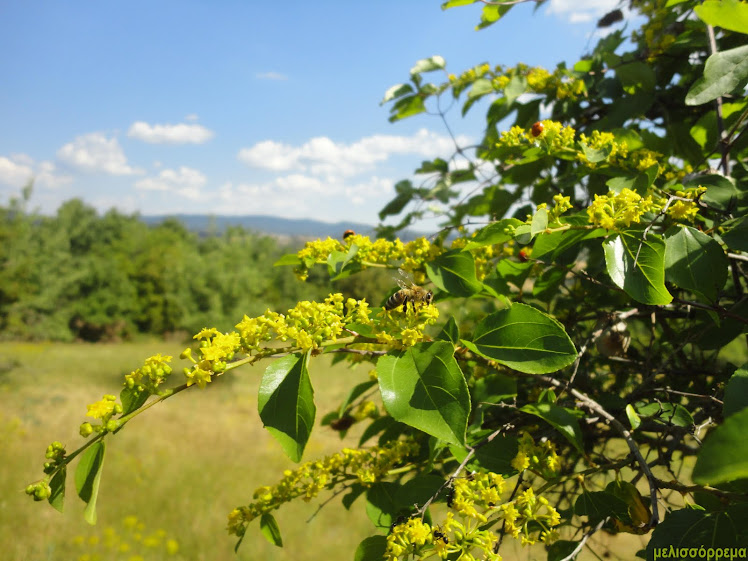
524 339
454 272
286 403
560 419
424 387
88 478
372 548
642 277
695 261
724 455
271 531
724 72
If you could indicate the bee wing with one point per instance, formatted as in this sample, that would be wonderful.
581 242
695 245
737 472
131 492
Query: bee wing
405 280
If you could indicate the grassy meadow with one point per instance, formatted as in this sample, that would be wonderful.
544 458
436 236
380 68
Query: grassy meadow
180 467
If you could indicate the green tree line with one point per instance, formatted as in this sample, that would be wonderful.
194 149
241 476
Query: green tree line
81 275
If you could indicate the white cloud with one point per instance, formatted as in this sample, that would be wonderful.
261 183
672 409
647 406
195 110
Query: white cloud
186 182
271 76
17 170
181 133
14 173
581 11
322 156
94 152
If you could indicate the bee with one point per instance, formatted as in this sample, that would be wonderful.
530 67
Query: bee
409 293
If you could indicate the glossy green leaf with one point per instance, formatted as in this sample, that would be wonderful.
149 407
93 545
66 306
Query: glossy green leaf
57 484
642 276
560 419
88 478
665 413
695 261
736 234
424 387
724 454
495 233
525 339
372 548
286 403
728 14
724 72
736 392
454 272
428 64
271 531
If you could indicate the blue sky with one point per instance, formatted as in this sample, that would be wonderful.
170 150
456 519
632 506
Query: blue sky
242 107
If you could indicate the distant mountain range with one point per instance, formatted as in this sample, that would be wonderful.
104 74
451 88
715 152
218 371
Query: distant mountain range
271 225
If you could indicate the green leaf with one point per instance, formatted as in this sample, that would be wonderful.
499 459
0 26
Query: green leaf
288 259
548 283
724 72
428 64
554 244
271 531
455 3
514 272
496 232
372 548
599 505
382 505
724 454
398 90
88 478
665 413
728 14
491 14
450 332
636 76
286 403
560 419
57 484
481 87
497 455
454 272
736 236
695 261
525 339
634 419
539 222
132 399
341 265
407 106
736 392
357 391
644 282
424 387
696 528
720 191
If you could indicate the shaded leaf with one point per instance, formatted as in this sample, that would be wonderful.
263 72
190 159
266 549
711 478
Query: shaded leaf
560 419
736 392
57 484
724 454
372 548
599 505
454 272
695 261
696 528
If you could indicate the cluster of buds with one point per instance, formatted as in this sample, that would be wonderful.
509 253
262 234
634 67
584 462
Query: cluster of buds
104 410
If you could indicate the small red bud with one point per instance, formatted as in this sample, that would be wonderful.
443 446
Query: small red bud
522 256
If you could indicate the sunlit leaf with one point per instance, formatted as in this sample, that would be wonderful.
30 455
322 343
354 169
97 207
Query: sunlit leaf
270 529
695 261
724 72
728 14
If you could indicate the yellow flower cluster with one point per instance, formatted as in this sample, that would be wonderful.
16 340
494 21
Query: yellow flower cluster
103 409
133 543
613 211
366 466
308 324
412 255
216 349
528 508
151 375
685 210
553 135
399 330
541 459
479 491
